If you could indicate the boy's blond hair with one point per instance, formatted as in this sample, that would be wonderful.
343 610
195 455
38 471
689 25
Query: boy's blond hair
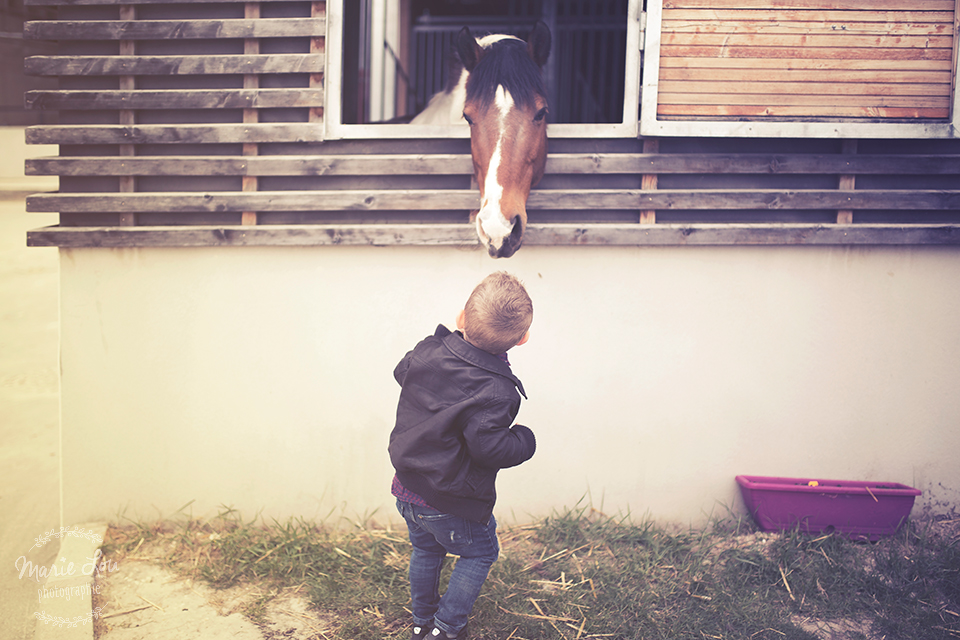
498 313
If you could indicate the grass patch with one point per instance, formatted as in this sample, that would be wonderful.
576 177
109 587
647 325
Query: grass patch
582 574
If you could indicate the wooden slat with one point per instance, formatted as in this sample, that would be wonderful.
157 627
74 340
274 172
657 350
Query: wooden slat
805 53
175 99
318 9
171 134
739 111
649 181
775 15
467 199
771 25
840 77
814 98
127 184
465 235
801 88
251 46
173 29
462 164
38 3
846 5
783 64
315 165
847 182
172 65
779 40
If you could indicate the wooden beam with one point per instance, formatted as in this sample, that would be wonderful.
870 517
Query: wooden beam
467 199
173 29
42 3
649 181
251 46
127 116
839 38
846 5
883 77
465 235
780 111
174 134
318 10
725 17
802 53
806 23
847 182
172 65
782 64
74 100
462 164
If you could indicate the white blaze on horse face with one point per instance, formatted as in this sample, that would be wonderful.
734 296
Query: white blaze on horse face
491 223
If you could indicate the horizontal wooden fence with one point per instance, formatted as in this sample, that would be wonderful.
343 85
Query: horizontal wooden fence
189 124
379 215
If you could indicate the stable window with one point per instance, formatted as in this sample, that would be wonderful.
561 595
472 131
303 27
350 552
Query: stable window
385 59
801 69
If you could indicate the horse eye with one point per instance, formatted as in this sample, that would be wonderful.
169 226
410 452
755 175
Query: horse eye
467 118
540 115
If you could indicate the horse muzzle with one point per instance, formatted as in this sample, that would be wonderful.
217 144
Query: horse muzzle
501 238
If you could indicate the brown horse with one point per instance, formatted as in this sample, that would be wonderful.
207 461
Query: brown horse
496 86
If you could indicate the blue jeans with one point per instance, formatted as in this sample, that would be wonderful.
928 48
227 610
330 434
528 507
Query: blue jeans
434 534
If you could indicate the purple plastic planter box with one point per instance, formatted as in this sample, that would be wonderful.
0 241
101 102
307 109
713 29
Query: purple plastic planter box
859 510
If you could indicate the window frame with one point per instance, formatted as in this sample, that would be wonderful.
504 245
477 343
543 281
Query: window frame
334 129
650 125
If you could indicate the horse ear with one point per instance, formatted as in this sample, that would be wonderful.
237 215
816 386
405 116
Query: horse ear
538 44
468 49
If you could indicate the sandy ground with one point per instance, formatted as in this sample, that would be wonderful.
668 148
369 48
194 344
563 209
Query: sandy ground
144 601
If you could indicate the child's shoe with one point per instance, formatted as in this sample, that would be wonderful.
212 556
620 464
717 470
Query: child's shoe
437 634
419 633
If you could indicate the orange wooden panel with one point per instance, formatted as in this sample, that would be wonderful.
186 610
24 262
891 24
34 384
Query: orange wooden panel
679 62
823 87
816 58
819 96
770 14
805 75
806 53
799 112
846 5
838 39
793 28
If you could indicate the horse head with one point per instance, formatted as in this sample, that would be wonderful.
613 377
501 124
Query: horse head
506 108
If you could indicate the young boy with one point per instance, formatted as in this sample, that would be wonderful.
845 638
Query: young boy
458 400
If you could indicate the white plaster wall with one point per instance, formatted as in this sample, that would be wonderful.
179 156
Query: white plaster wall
261 378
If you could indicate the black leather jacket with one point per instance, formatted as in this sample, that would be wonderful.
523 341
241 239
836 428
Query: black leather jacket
453 431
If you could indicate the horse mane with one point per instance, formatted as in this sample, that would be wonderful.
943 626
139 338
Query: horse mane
506 62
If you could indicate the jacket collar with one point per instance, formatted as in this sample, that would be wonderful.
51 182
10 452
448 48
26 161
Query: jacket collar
454 341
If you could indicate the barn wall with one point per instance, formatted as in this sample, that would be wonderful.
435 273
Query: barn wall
197 368
261 377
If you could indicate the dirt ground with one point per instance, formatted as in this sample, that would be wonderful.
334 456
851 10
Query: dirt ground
144 601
